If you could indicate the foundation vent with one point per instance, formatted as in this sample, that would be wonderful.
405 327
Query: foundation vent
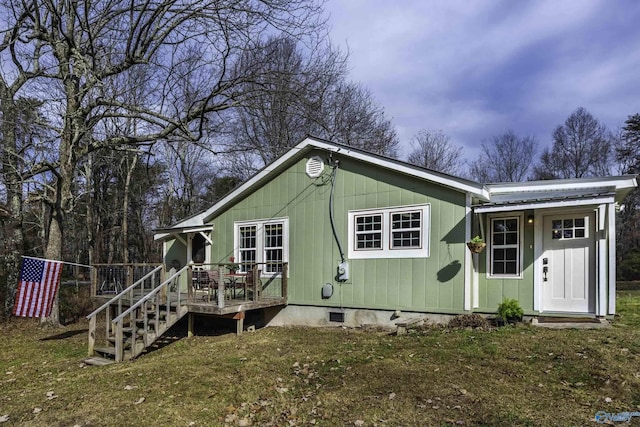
336 316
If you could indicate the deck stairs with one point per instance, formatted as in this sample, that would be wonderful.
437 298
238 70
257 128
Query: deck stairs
135 318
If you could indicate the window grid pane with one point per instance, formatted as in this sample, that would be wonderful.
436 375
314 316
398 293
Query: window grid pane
505 246
369 232
247 247
406 228
273 253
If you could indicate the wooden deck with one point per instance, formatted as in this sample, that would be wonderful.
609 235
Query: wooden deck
201 303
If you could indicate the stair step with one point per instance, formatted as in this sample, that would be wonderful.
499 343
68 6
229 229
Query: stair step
106 350
97 361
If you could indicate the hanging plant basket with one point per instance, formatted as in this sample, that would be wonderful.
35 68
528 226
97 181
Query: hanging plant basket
476 247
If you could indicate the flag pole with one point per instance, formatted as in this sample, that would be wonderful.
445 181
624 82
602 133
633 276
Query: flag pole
62 262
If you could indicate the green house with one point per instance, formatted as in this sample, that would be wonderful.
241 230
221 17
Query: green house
343 236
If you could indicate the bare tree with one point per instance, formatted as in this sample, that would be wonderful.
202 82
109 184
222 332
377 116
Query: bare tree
506 158
628 224
433 150
306 93
581 148
72 55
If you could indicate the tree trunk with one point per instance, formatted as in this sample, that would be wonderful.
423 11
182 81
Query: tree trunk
125 210
14 238
54 252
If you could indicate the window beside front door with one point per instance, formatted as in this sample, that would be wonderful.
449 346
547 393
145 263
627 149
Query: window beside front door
505 247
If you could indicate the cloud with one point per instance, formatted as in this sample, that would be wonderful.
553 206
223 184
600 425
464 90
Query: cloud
476 69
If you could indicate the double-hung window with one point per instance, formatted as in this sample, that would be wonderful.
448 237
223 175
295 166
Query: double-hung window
505 247
395 232
262 242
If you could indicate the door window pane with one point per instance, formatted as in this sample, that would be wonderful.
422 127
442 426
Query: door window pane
573 228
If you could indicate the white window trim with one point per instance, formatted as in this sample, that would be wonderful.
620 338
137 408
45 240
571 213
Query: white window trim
386 251
260 248
489 256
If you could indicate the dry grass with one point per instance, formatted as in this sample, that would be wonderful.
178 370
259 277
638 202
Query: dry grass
297 376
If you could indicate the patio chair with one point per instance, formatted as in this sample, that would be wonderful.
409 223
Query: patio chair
252 283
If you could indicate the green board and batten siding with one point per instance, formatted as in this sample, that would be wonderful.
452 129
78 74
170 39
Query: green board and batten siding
434 284
493 290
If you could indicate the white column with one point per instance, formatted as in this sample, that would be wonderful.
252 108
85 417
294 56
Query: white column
601 244
612 257
468 258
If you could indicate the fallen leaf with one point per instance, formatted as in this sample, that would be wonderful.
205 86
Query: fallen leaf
243 422
130 387
4 418
139 401
608 399
37 410
359 423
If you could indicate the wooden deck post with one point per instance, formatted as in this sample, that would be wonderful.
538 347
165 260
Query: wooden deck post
190 325
239 317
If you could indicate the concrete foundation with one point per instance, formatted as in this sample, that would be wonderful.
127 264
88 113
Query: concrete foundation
296 315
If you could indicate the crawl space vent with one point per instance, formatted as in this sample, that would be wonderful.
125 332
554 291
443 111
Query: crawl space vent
314 167
335 316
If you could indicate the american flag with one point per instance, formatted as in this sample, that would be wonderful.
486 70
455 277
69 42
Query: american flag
39 280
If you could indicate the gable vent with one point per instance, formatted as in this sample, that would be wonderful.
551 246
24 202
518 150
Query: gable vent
314 167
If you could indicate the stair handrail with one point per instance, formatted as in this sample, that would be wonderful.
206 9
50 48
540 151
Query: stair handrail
119 320
123 293
150 294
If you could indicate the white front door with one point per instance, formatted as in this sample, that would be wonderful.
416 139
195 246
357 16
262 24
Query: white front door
568 263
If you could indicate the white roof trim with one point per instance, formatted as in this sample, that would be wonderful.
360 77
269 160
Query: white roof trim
546 205
168 232
617 182
308 144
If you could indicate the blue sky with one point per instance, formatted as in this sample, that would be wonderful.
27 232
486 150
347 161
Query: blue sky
475 69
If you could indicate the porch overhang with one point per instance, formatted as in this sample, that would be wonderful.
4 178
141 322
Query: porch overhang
545 203
175 232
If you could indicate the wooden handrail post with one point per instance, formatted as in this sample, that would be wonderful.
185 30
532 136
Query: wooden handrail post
92 335
119 344
189 283
220 287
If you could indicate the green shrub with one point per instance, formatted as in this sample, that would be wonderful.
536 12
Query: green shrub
509 310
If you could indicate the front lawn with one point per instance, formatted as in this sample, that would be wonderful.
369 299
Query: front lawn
519 376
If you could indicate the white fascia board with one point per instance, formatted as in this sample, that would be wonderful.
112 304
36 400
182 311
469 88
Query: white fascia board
615 182
309 144
478 191
256 179
544 205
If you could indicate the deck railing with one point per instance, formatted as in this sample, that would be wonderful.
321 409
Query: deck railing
111 279
218 284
